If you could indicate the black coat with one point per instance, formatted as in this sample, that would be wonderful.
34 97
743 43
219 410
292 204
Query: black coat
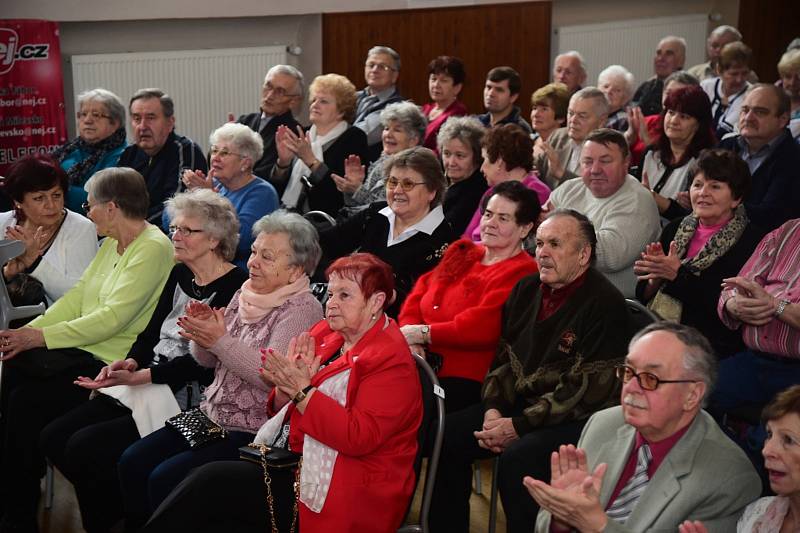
700 294
462 199
775 195
368 230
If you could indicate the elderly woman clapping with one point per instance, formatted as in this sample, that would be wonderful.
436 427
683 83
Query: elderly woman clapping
348 398
403 127
159 377
100 141
235 148
93 324
407 230
59 243
681 276
272 307
307 160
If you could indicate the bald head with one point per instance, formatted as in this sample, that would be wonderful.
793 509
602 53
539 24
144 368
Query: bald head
670 56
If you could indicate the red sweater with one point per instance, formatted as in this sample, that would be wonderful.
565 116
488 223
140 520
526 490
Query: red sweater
461 300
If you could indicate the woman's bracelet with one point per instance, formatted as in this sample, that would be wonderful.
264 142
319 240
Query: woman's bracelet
282 167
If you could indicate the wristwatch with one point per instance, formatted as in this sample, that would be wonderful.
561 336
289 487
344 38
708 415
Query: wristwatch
781 306
426 333
301 394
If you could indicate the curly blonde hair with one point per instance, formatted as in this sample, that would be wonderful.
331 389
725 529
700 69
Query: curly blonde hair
342 90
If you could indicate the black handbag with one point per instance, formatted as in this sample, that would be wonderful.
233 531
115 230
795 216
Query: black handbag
270 458
196 427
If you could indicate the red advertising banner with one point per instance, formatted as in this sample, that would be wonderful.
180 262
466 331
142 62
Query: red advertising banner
31 89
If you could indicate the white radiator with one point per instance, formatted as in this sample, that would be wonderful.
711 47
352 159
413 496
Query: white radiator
631 43
205 84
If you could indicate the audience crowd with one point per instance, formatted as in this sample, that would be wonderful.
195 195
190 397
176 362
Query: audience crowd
626 261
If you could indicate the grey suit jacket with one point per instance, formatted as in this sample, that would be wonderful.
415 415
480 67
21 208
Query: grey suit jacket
563 147
705 476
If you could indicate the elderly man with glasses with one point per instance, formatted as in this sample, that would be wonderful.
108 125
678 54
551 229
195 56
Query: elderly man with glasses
381 70
656 460
281 93
563 332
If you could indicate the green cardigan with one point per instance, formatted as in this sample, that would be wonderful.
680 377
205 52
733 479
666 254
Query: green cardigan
562 368
114 299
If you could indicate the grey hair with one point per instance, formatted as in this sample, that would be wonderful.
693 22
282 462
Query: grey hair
246 141
577 55
289 70
680 40
618 71
167 104
469 130
112 103
302 237
388 51
722 30
600 102
408 115
123 186
586 230
217 213
699 360
682 77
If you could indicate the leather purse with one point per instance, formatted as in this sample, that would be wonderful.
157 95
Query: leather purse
270 458
196 427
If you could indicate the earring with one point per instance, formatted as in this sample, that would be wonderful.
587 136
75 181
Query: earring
373 316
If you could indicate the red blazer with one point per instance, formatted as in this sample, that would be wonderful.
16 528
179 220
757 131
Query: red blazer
462 300
456 109
375 432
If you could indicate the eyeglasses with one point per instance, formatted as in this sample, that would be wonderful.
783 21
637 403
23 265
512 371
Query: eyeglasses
88 207
280 92
380 66
647 381
406 184
183 231
94 114
222 152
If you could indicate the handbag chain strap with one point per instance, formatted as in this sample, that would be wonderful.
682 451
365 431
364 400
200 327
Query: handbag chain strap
268 484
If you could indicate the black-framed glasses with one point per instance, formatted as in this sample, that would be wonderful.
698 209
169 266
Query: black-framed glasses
183 231
647 380
405 184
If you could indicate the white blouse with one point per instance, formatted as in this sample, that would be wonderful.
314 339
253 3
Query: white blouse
69 254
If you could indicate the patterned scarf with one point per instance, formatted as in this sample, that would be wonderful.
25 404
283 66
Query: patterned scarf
79 171
670 308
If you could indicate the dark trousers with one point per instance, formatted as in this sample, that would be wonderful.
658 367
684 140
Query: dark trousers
85 445
151 467
529 455
226 496
37 388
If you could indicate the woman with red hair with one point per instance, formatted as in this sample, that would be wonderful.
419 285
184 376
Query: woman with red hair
347 396
686 130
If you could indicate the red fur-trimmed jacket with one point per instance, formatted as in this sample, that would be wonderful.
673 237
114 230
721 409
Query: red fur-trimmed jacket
462 300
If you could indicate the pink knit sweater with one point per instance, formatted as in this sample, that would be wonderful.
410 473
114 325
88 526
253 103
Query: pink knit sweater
236 399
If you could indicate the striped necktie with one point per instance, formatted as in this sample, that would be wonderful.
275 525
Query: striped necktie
623 506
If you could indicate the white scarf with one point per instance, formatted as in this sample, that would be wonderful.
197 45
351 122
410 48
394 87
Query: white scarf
294 188
318 459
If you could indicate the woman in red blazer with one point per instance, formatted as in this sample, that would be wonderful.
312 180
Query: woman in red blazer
348 397
454 311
